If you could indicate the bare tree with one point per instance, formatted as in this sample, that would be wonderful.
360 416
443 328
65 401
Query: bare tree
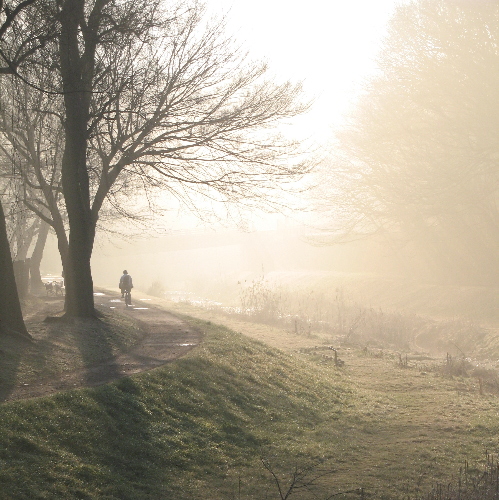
13 15
154 96
418 159
33 142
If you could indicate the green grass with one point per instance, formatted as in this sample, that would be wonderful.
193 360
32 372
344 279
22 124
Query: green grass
188 430
198 428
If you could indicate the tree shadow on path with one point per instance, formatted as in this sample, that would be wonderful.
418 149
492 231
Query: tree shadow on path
90 352
12 350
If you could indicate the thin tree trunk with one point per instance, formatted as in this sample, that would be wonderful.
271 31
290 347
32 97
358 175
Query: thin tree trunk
24 237
11 316
36 257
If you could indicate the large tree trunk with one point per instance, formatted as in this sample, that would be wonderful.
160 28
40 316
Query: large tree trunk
21 274
36 257
77 272
11 316
77 74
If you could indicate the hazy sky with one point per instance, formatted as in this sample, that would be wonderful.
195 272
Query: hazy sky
330 45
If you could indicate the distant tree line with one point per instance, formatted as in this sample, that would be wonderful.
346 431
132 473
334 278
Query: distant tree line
417 162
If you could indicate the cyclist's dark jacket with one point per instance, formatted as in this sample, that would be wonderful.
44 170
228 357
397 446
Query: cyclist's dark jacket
126 283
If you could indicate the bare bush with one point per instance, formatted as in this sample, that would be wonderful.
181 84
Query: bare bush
156 289
307 480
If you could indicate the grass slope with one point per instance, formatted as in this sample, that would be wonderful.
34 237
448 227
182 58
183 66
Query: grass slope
62 347
198 428
192 429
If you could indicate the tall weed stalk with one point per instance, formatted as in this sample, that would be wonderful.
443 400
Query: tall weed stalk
471 484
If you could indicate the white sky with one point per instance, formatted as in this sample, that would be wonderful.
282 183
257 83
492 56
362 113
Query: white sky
329 45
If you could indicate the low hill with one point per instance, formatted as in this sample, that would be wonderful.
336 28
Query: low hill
191 429
237 418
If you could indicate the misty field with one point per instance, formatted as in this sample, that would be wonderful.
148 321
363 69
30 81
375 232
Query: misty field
364 309
264 410
423 389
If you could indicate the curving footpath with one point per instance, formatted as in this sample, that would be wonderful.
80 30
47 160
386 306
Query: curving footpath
165 338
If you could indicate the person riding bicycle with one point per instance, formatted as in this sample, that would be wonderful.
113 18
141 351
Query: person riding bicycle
126 284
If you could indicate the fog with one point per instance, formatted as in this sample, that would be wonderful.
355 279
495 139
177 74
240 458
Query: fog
319 177
399 177
405 186
212 262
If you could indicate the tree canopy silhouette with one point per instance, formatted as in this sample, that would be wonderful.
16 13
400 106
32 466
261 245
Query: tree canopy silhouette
154 95
417 161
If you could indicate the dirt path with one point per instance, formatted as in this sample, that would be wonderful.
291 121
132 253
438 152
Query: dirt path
165 337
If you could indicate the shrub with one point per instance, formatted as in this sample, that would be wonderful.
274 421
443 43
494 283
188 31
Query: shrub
156 289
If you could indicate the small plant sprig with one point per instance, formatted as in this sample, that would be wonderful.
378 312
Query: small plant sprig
306 480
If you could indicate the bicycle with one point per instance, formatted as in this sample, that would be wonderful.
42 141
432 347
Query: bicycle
128 298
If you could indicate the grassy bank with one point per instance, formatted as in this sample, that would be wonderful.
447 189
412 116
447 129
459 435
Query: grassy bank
192 429
199 428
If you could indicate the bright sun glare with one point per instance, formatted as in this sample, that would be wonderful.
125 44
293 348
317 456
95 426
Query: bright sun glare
329 45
